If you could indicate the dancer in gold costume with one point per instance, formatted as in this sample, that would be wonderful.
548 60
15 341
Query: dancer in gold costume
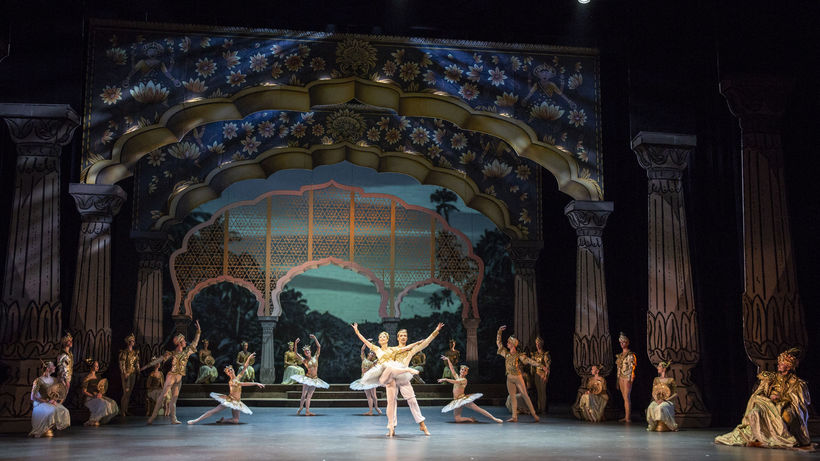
660 416
593 401
241 356
153 390
65 361
102 408
541 375
625 368
515 381
207 370
368 362
454 356
777 413
293 366
234 398
48 412
173 381
460 398
129 365
310 380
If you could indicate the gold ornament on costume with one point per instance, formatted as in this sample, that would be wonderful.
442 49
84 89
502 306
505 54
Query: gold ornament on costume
102 386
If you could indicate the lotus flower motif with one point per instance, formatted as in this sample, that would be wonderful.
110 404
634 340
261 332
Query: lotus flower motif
149 92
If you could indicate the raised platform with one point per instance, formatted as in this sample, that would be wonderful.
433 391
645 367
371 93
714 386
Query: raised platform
339 395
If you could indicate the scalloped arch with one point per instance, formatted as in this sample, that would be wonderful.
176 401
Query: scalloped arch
467 308
180 119
213 281
310 265
269 162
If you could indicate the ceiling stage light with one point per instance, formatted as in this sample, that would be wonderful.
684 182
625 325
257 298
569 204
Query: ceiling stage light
583 2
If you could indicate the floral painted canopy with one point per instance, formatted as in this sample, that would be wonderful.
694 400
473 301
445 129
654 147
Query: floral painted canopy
190 110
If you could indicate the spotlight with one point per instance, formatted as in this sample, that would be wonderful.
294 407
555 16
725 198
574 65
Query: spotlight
583 2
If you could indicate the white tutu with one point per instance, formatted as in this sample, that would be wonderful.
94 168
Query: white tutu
461 401
307 381
45 416
227 401
102 409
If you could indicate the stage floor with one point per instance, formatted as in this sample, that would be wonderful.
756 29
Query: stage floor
341 434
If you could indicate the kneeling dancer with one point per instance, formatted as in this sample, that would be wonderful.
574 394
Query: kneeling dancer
234 398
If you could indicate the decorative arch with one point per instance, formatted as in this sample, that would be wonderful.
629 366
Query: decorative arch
468 308
188 198
260 298
182 118
310 265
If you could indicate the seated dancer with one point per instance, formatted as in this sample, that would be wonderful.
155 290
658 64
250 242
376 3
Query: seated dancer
153 391
207 370
777 413
173 381
515 380
310 380
454 356
625 368
48 412
102 408
292 365
234 398
592 403
417 363
460 399
368 362
129 363
241 356
660 416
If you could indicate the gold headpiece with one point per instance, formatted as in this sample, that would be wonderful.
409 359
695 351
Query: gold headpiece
243 343
622 338
665 363
306 348
178 339
514 340
462 368
130 337
227 367
290 343
539 338
66 338
791 357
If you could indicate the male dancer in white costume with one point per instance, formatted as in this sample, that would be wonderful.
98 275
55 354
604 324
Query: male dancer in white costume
401 383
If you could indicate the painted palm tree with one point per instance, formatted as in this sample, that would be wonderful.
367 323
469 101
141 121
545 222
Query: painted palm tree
443 198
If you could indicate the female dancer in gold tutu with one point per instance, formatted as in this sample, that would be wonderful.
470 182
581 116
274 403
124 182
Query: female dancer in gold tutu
460 399
234 398
310 380
368 362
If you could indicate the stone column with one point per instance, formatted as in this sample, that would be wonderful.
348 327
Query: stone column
267 371
524 254
592 344
773 318
153 249
90 313
30 306
671 323
391 326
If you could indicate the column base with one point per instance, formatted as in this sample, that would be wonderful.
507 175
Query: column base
15 425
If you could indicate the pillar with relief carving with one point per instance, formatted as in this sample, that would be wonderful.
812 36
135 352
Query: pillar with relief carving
773 318
30 305
592 343
267 371
153 249
471 325
91 310
524 254
672 322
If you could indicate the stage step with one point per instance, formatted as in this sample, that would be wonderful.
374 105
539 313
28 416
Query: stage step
338 395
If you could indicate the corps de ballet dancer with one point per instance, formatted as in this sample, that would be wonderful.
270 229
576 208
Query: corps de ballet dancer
515 380
102 408
173 380
460 399
48 412
368 362
234 398
310 380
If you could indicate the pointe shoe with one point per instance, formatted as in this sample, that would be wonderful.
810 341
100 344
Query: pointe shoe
308 413
48 433
391 432
514 419
423 428
175 421
192 421
536 418
498 420
150 421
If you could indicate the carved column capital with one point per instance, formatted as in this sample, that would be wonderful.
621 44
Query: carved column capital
524 253
153 248
664 156
758 101
97 202
40 129
588 217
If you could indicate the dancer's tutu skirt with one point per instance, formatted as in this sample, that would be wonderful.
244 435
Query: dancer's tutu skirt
227 401
461 401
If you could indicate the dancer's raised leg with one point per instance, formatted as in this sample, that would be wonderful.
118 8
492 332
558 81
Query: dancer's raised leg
208 414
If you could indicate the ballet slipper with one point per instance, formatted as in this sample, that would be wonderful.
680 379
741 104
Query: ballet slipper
423 428
391 431
192 421
308 413
175 421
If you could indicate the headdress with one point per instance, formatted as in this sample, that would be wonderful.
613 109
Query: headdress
665 363
243 343
306 348
178 339
539 338
227 367
543 67
90 362
791 357
66 338
622 338
290 343
462 368
206 341
130 337
514 340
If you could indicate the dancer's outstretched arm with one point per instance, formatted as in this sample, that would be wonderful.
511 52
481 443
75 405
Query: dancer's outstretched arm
447 380
245 366
364 346
418 347
318 346
449 364
367 343
160 359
